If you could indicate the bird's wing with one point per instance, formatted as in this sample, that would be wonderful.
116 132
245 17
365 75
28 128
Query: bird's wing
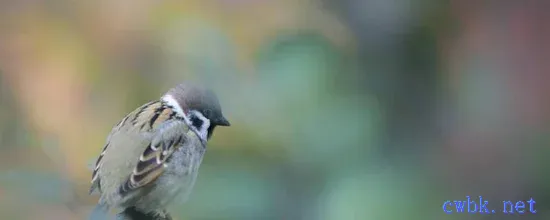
164 131
151 164
96 182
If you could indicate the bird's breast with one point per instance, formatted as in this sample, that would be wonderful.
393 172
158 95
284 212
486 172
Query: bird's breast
184 161
177 181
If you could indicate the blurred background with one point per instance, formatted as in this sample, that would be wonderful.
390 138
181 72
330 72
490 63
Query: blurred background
340 109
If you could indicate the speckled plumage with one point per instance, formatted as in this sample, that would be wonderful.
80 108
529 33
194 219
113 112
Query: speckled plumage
152 156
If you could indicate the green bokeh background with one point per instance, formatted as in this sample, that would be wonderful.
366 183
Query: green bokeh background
340 110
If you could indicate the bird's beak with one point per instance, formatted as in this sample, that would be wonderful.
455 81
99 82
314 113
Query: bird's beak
223 122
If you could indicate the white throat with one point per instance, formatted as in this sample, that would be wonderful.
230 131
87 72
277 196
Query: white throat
202 130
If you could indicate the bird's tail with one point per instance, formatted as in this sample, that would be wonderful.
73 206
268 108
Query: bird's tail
100 212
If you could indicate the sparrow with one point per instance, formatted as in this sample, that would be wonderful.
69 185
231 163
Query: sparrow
152 156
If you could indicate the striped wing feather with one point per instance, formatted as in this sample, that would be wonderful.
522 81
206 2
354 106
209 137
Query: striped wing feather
153 160
169 130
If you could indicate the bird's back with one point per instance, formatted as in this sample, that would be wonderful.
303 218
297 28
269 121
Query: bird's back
128 139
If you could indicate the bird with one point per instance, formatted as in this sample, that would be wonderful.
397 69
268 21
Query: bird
152 156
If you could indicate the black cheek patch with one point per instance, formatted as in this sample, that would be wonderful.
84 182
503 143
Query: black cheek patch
197 122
